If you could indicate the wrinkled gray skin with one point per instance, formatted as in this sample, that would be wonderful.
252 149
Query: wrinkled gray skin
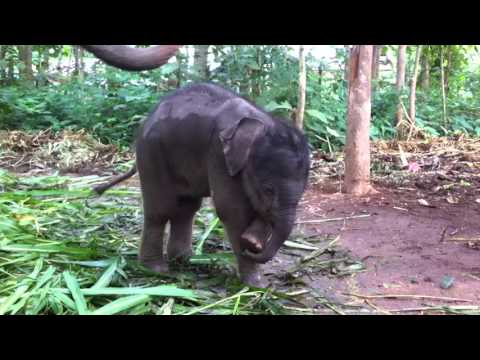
204 141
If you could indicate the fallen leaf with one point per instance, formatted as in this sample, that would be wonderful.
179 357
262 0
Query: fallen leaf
403 158
447 282
424 202
452 199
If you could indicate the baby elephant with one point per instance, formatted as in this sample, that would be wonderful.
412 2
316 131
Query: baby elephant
202 141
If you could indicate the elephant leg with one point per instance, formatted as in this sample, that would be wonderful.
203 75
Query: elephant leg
151 247
158 203
181 224
237 215
249 272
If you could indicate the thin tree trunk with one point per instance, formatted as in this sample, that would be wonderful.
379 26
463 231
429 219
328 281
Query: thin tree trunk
42 73
357 150
76 70
10 70
402 50
25 52
425 77
3 74
179 72
347 57
46 61
413 85
200 61
448 69
377 50
302 81
81 69
442 77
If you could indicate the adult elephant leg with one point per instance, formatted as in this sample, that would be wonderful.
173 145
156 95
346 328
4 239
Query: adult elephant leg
181 224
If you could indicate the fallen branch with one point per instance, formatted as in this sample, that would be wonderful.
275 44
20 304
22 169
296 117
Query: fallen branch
438 308
463 239
403 296
294 245
315 254
320 251
375 307
332 219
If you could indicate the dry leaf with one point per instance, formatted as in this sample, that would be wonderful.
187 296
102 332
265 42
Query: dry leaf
403 158
452 199
424 202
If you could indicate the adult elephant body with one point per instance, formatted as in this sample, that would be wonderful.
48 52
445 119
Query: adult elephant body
204 140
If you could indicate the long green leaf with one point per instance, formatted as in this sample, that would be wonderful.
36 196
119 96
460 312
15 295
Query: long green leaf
121 305
162 290
107 276
74 287
205 235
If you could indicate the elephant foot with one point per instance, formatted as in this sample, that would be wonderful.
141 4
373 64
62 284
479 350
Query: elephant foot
255 280
180 257
156 265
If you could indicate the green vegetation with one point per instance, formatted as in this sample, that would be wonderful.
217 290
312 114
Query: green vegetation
65 251
111 103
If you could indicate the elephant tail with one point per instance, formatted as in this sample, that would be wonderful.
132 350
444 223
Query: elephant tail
100 189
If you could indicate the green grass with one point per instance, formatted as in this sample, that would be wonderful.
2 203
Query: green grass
64 250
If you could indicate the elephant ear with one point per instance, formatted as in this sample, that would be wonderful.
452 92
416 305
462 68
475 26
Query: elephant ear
238 140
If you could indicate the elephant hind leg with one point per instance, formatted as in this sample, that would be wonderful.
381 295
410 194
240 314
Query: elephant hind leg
158 205
181 223
151 247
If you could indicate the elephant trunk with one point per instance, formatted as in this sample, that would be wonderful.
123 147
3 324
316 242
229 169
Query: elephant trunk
281 232
133 59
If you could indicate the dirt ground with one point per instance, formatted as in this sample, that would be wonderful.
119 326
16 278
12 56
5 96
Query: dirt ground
413 245
406 248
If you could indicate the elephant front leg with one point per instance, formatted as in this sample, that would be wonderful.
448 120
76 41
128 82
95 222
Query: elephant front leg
249 272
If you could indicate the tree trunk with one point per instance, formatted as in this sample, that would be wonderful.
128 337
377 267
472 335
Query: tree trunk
377 50
357 150
425 77
200 62
442 78
10 70
25 53
448 69
402 50
81 69
78 58
3 74
46 61
413 85
348 53
42 72
179 71
302 81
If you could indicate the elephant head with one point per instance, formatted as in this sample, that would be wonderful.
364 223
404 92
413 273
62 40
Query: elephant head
272 159
133 59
